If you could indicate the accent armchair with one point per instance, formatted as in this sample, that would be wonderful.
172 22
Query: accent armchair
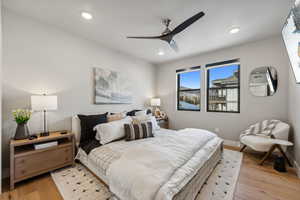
268 144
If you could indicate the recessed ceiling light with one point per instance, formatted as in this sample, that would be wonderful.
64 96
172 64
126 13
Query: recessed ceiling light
86 15
161 53
234 30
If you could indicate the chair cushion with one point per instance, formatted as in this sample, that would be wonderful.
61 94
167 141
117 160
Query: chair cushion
258 143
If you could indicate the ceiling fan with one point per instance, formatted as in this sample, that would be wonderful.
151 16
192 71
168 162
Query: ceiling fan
168 34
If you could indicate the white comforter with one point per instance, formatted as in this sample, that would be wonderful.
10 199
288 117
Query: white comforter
159 167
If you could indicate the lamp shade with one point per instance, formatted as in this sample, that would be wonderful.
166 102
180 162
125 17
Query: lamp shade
155 102
39 103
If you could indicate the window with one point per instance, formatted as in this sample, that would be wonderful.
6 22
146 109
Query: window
223 86
188 89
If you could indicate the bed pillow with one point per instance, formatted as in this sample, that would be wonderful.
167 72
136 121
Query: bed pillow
146 118
111 131
116 116
141 113
87 123
138 131
132 113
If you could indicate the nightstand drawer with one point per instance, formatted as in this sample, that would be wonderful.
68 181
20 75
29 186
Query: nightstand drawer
42 160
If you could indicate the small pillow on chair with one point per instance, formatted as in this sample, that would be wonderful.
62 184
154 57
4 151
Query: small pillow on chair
138 131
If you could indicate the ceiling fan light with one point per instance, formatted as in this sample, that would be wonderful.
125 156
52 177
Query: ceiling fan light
86 15
234 30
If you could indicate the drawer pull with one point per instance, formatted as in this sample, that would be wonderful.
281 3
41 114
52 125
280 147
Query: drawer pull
23 171
22 161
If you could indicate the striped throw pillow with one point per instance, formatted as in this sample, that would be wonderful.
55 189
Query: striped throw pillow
138 131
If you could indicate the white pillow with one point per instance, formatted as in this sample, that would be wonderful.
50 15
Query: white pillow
146 118
108 132
154 123
141 113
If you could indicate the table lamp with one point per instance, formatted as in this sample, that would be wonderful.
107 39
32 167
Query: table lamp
155 102
44 103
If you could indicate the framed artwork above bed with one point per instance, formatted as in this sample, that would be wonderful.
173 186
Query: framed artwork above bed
111 87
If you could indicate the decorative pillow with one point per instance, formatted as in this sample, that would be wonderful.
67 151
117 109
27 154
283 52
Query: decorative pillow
111 131
132 113
116 116
87 123
149 111
138 131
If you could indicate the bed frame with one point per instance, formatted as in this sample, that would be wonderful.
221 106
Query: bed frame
192 188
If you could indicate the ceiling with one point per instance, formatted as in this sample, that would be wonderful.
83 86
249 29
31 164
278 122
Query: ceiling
113 20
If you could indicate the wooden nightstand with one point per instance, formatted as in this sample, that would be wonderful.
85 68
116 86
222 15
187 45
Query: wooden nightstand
163 123
26 162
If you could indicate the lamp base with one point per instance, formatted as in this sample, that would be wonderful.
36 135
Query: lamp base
44 134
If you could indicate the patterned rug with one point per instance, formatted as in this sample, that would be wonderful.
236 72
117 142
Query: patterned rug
77 183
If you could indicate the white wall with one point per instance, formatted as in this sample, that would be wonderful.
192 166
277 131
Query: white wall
40 58
294 115
262 53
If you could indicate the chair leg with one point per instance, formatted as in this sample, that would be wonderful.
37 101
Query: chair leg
243 147
284 155
268 154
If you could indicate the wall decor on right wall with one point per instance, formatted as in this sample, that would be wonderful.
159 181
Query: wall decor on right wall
263 81
291 37
111 87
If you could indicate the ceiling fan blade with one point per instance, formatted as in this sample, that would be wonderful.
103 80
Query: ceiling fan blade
144 37
187 23
173 45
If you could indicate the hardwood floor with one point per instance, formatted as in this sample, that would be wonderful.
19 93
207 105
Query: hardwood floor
255 183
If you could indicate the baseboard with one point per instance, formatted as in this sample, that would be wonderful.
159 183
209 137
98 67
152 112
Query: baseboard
297 167
231 143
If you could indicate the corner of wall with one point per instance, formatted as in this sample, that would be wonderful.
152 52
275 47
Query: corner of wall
0 94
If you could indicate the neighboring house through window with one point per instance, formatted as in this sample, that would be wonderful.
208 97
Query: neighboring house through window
223 86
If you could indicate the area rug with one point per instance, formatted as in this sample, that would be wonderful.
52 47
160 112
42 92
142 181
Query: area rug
77 183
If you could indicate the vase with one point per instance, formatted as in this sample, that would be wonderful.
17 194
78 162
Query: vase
22 132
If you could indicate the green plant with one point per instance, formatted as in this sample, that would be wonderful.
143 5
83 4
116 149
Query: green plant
21 115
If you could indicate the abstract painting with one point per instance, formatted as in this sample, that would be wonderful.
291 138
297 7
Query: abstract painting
111 87
291 37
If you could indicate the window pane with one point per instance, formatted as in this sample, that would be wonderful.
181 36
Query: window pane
223 92
189 100
190 80
188 96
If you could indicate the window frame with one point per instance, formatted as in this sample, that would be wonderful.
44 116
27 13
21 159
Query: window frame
180 71
223 64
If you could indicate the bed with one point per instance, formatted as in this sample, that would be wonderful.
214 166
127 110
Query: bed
163 167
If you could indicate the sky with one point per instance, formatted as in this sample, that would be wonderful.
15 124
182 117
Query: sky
222 72
192 79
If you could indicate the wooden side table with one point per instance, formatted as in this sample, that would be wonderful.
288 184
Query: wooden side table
163 123
27 162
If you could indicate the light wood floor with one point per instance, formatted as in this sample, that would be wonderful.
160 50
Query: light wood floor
255 183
